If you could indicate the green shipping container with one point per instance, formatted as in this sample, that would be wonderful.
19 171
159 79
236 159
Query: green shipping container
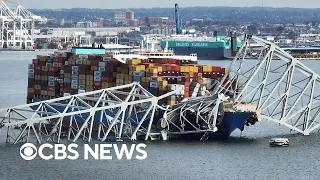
44 46
67 80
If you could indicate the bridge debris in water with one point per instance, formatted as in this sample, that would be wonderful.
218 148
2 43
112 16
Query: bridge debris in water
278 87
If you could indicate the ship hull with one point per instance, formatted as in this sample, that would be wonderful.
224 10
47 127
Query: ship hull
218 53
229 123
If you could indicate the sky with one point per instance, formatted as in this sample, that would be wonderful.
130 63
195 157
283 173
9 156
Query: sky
112 4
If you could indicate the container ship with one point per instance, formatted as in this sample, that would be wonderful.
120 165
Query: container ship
206 48
89 69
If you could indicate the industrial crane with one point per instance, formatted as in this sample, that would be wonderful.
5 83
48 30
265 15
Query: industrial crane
14 23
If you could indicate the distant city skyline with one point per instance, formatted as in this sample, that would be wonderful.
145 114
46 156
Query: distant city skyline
103 4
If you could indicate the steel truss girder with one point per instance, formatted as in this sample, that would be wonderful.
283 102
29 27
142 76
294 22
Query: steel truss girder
114 114
283 89
46 121
204 109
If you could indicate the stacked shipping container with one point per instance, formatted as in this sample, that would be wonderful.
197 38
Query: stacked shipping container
64 73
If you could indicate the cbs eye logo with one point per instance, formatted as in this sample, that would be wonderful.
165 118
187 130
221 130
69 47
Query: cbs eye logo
28 151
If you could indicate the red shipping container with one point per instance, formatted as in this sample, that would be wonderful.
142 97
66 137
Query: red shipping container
110 69
177 68
125 71
109 79
31 83
124 66
66 86
89 72
95 63
53 69
53 73
104 79
58 59
83 68
172 61
99 58
67 90
107 74
51 88
67 69
30 95
37 91
216 69
44 73
35 61
96 83
37 67
91 57
168 67
96 87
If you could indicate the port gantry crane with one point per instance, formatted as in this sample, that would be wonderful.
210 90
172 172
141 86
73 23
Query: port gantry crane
282 89
15 24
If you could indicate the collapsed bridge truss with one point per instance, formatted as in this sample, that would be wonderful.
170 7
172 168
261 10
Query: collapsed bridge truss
117 113
284 90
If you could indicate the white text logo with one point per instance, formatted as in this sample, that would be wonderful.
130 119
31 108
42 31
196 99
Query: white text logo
29 151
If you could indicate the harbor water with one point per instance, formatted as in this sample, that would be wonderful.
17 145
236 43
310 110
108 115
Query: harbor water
246 155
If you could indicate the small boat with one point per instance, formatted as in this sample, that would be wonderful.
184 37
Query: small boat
279 142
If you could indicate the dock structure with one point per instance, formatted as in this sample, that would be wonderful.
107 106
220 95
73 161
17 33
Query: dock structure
281 88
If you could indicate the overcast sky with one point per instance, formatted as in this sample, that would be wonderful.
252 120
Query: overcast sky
106 4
